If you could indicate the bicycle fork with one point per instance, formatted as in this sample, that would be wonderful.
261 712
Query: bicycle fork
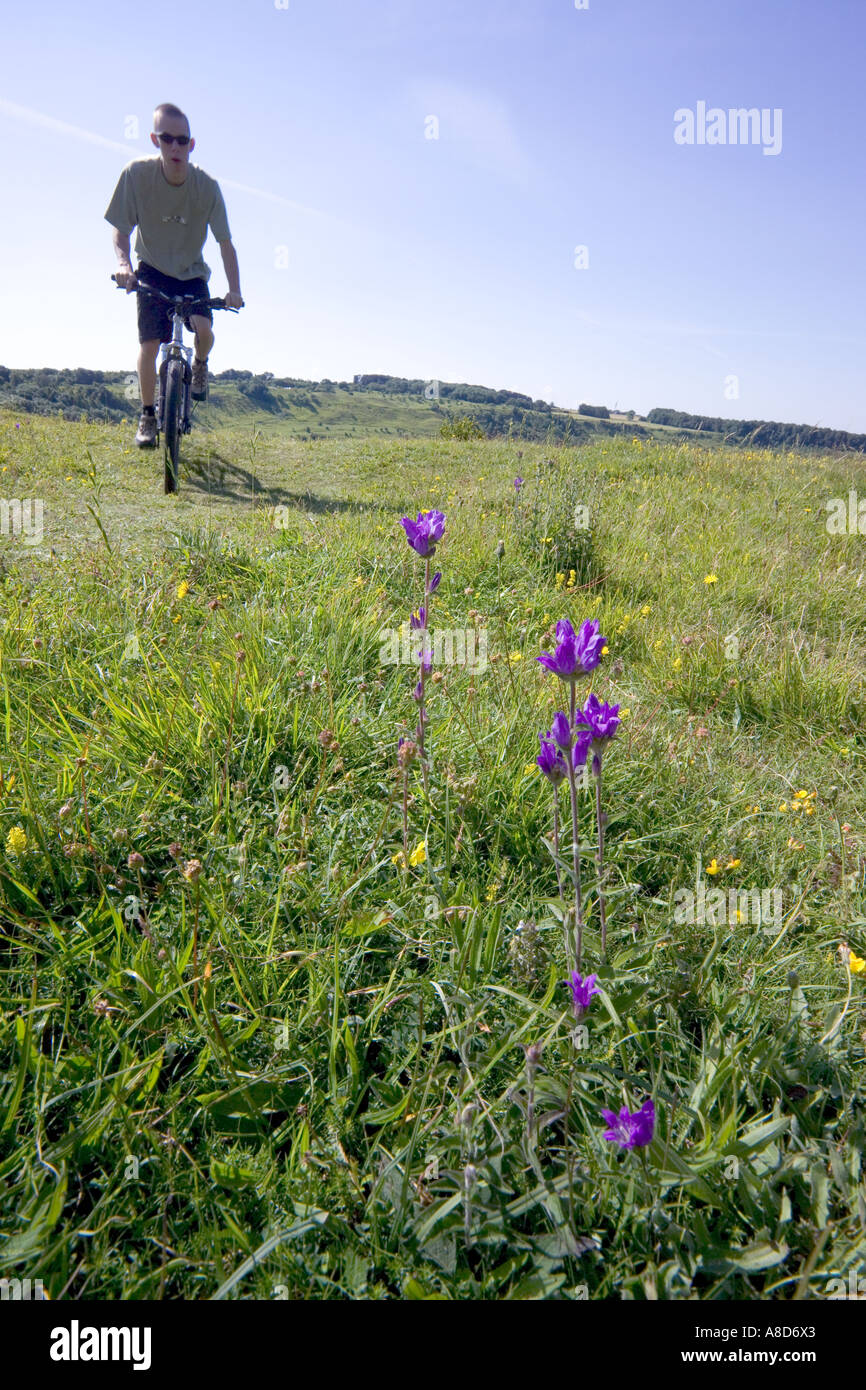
167 352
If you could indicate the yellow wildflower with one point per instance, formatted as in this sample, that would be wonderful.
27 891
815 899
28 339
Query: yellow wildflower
732 864
16 841
418 855
182 589
604 651
399 858
856 964
713 867
711 579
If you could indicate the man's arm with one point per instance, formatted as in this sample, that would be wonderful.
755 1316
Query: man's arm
125 275
233 274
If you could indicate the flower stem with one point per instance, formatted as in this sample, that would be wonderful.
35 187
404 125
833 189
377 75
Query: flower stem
421 711
575 850
556 839
600 819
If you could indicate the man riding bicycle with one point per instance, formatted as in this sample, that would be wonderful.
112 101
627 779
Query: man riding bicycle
172 203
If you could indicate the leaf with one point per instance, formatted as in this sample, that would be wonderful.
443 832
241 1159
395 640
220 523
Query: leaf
541 1283
564 1242
442 1250
415 1291
231 1176
299 1228
431 1222
758 1136
762 1255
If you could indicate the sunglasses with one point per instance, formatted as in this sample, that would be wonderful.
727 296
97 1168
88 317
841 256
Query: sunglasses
169 139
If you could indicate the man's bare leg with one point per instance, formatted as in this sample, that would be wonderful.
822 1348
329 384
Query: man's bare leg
147 371
203 336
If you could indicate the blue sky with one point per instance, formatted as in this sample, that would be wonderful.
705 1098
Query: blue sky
454 258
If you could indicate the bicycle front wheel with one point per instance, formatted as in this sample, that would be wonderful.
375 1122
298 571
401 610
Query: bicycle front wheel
172 423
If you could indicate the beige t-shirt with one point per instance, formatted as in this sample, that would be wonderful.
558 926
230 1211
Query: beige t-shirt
172 220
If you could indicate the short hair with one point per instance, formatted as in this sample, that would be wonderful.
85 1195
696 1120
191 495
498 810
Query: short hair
167 109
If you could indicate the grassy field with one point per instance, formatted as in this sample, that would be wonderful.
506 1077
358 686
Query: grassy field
252 1048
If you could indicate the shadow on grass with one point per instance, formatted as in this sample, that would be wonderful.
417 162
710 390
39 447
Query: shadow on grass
213 475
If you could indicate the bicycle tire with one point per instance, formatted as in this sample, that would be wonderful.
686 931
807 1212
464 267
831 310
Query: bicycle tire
172 424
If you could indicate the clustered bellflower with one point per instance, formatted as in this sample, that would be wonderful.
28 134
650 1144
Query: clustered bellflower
551 761
631 1131
577 653
569 742
582 992
602 719
423 534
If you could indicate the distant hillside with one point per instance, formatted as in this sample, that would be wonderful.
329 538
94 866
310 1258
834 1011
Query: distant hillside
370 404
376 403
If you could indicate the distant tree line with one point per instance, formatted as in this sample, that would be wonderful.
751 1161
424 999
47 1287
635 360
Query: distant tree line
445 390
542 426
74 392
765 434
86 393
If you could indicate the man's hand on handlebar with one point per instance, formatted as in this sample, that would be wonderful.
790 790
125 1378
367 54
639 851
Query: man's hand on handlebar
126 279
233 300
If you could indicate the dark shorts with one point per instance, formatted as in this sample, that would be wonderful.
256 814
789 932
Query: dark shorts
154 318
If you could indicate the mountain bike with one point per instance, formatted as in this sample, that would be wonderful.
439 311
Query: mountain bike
175 376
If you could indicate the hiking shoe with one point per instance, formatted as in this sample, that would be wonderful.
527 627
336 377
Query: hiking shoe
146 437
198 388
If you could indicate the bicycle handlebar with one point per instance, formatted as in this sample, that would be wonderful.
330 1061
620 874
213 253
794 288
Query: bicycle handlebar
180 301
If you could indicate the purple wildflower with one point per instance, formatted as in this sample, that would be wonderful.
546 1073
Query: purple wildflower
602 719
561 731
518 484
570 739
434 582
631 1131
577 652
423 534
581 991
419 620
582 742
551 761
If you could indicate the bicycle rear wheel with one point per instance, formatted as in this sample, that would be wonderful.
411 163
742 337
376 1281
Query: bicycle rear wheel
172 423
